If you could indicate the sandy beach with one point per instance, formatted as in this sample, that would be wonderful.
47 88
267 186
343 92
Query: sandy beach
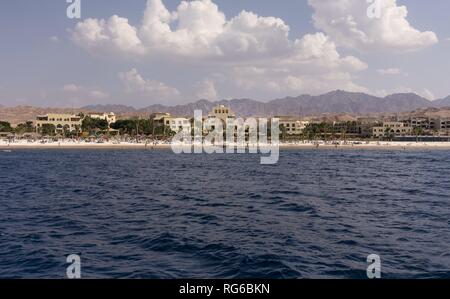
68 144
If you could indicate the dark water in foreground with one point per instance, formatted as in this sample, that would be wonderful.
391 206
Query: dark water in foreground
153 214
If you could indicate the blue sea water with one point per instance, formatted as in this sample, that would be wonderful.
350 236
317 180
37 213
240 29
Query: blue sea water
154 214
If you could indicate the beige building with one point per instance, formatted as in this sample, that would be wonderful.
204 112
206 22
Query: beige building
62 122
176 124
292 125
159 119
223 113
393 128
443 124
109 117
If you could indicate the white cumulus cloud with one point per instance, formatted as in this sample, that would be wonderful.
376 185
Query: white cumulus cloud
425 93
198 34
200 30
348 24
150 89
115 34
206 90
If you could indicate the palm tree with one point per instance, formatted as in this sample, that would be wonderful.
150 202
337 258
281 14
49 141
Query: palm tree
387 133
66 130
77 130
418 132
137 126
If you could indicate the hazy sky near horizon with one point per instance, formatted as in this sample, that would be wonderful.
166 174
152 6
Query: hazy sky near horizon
140 52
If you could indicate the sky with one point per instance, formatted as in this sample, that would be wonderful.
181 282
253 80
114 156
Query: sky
171 52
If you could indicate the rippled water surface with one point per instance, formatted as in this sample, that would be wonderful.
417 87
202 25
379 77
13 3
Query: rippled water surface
154 214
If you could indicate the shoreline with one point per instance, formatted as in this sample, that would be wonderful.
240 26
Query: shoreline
369 146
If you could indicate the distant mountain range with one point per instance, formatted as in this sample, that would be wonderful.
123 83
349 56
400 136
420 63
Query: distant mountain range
333 102
336 102
445 102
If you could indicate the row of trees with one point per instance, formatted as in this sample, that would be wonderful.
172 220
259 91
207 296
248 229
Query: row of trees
324 130
133 127
92 126
27 127
89 125
141 127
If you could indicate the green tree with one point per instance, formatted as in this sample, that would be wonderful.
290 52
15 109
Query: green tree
66 131
77 129
93 125
5 126
142 126
25 128
418 132
125 126
388 133
145 126
311 131
325 129
48 130
162 131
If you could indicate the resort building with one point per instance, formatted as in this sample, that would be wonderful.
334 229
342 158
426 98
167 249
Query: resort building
392 129
366 125
109 117
221 113
159 119
442 126
431 126
444 123
292 125
347 128
423 123
62 122
178 124
175 123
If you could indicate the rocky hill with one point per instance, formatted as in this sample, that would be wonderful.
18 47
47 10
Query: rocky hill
333 103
